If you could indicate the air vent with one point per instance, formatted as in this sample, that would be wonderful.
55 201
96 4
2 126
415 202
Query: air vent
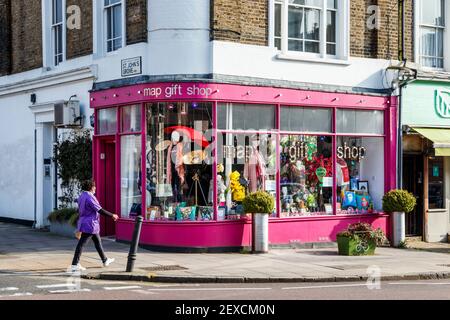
67 114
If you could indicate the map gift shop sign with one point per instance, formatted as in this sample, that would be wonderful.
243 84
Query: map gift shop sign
178 90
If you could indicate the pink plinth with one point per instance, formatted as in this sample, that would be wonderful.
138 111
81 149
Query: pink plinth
223 234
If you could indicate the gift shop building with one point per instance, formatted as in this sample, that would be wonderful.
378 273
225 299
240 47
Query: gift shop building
184 154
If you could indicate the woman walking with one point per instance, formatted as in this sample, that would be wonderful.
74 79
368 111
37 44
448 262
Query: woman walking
89 224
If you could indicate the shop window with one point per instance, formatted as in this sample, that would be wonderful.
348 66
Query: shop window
246 164
131 118
360 122
107 121
359 175
130 176
246 117
436 194
306 170
305 119
179 162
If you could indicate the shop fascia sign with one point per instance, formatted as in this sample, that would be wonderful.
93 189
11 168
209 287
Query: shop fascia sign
442 103
177 90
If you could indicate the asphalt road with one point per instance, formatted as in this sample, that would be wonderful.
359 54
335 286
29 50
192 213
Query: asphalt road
20 286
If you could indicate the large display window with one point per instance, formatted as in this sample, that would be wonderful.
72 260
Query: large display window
306 171
179 165
313 160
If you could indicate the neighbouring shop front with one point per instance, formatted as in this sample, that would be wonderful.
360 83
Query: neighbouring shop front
426 157
184 155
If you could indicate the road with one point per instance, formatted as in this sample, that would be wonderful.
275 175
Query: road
54 286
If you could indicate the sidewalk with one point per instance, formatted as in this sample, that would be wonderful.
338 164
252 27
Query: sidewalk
26 250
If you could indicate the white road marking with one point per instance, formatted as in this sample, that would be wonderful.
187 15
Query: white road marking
421 283
9 289
70 291
322 287
23 294
122 288
61 285
143 291
209 289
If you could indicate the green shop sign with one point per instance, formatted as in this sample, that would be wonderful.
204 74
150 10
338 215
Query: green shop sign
426 103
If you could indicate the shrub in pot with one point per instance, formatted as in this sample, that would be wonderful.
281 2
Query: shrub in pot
64 221
260 205
398 203
360 239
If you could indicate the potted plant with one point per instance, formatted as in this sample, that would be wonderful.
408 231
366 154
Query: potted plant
359 239
260 204
398 202
64 221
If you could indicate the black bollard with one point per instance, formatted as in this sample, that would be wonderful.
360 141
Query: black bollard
134 244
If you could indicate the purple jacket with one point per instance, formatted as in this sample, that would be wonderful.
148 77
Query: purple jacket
89 207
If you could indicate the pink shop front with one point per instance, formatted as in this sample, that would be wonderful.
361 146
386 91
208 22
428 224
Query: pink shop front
184 155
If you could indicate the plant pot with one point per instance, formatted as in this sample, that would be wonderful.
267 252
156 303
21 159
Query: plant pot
398 228
62 229
351 247
260 234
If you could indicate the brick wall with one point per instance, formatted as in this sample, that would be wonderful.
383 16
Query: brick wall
80 41
136 21
5 37
26 21
243 21
382 43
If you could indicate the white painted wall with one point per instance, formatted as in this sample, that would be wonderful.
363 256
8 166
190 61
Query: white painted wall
262 62
17 156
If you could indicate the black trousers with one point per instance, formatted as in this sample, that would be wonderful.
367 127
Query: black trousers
85 237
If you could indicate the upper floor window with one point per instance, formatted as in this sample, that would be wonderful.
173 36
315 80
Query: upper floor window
58 31
114 24
432 27
313 27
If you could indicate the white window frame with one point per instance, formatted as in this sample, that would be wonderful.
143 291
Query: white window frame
48 43
122 3
53 32
418 40
342 34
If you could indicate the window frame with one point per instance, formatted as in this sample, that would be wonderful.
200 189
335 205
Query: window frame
53 29
342 33
105 11
419 26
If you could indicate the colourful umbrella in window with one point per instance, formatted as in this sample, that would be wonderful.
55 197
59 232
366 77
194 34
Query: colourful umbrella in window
195 135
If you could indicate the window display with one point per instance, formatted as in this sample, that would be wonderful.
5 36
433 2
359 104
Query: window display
130 183
179 161
306 170
107 121
360 174
247 163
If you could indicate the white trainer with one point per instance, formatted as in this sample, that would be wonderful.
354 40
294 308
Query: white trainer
78 268
108 262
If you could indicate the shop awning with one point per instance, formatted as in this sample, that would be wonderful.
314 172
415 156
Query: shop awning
440 138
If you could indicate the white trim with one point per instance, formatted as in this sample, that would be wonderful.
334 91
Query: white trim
271 16
49 80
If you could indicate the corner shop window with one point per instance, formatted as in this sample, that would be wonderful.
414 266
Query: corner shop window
130 178
107 121
436 183
246 164
360 122
131 118
305 119
360 175
179 162
246 117
306 175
